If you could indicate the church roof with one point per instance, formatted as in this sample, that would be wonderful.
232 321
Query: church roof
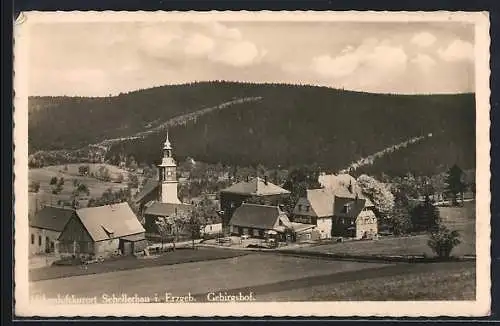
150 186
255 187
165 209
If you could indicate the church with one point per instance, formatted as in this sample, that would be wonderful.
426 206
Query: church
159 198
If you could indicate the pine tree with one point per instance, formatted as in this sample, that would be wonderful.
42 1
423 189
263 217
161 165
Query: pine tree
455 183
425 216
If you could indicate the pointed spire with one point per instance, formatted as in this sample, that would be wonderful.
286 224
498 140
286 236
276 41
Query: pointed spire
167 144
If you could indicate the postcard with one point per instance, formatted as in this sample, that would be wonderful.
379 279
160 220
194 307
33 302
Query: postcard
252 164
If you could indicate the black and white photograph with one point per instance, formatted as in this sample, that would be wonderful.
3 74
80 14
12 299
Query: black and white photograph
235 163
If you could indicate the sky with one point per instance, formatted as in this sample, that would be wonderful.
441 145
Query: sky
101 59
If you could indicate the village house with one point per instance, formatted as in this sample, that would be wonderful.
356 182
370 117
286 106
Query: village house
318 207
261 221
45 228
257 189
102 231
354 218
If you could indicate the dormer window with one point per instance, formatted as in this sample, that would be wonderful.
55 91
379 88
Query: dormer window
307 208
109 232
346 208
300 208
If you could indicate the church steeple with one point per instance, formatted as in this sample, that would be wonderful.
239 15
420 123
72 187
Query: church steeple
167 148
168 175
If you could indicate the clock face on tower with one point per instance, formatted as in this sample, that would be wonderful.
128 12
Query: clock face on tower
170 174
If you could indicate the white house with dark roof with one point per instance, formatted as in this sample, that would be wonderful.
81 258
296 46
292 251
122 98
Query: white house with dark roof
46 227
102 231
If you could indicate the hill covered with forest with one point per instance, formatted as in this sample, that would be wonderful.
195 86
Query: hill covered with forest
272 124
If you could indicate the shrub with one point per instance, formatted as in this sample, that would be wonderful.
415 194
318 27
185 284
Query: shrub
34 186
442 241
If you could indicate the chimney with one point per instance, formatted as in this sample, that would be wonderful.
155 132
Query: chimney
350 186
265 180
248 178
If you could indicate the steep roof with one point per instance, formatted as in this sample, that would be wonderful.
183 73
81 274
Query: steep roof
256 187
165 209
338 185
110 221
355 207
320 202
51 218
258 216
149 186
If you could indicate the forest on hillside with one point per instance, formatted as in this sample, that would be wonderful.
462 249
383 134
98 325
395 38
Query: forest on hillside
291 125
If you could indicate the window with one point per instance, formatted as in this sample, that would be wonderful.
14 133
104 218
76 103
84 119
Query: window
32 239
307 208
39 240
300 208
346 208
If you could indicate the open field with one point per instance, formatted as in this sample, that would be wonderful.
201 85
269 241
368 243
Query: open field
201 277
127 263
283 279
437 281
456 218
43 176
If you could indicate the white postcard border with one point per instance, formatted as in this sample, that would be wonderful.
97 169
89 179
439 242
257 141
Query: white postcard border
480 307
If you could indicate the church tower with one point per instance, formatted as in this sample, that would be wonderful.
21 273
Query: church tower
168 176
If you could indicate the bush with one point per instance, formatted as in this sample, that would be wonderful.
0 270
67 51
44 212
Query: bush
442 241
34 186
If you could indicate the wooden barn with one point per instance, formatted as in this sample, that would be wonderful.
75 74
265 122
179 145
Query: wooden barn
102 231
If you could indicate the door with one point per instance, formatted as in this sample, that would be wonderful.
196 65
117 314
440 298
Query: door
127 248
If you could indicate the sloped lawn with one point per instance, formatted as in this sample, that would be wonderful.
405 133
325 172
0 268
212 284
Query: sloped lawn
179 256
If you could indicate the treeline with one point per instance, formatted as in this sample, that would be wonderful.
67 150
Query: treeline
291 125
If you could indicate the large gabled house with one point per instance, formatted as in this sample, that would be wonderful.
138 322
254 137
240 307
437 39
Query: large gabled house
320 207
259 189
315 208
102 231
